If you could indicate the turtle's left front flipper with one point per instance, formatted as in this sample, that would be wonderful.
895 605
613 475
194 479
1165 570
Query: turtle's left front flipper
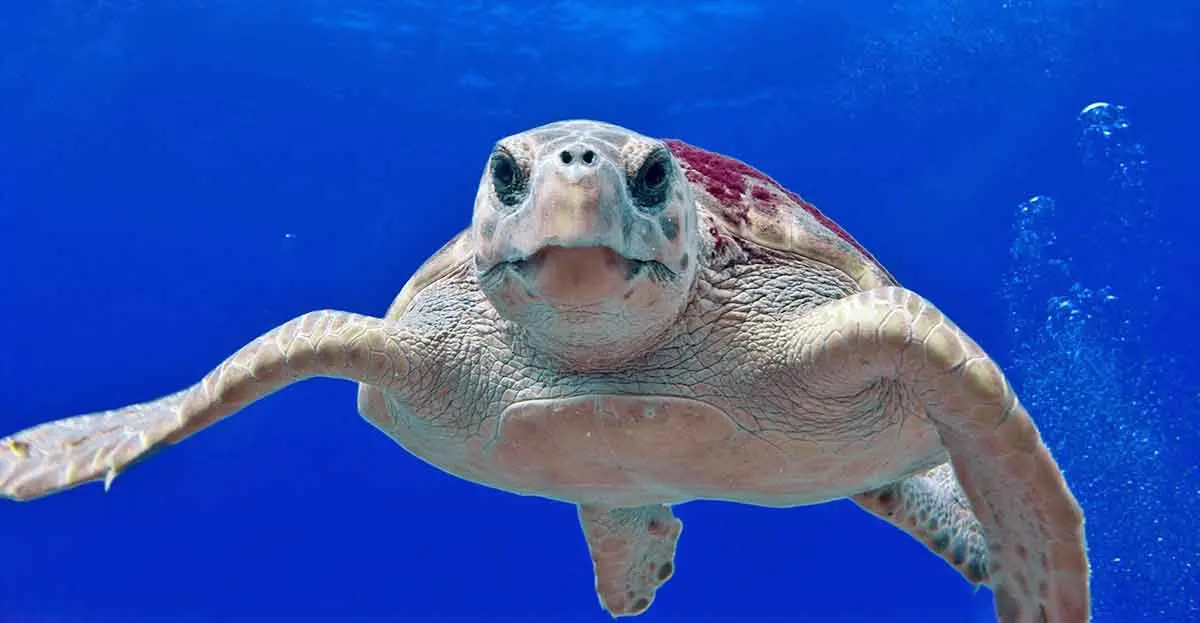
64 453
1037 557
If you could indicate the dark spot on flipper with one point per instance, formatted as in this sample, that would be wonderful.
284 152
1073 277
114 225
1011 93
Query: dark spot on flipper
976 571
959 555
684 261
657 527
941 542
640 605
886 497
630 594
665 571
670 226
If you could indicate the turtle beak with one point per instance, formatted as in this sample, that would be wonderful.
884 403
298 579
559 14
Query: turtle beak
575 207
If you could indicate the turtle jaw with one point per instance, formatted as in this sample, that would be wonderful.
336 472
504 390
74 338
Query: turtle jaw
587 306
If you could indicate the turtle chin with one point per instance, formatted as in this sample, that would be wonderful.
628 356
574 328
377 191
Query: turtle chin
587 307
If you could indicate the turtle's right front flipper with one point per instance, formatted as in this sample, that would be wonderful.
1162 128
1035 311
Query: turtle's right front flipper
64 453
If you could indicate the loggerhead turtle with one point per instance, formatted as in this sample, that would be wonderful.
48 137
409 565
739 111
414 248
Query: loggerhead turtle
630 323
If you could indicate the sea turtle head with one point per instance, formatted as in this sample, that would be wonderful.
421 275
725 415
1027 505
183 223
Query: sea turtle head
585 237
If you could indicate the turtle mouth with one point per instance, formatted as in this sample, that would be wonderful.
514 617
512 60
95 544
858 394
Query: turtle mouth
590 258
571 271
595 259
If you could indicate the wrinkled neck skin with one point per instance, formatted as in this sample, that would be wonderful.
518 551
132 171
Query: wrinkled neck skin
595 346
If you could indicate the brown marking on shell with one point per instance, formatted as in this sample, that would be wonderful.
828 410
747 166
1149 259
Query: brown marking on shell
747 203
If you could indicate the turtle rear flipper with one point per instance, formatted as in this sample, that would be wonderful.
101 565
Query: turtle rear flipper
62 454
633 553
932 508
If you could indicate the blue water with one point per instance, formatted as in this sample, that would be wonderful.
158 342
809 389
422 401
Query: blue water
177 177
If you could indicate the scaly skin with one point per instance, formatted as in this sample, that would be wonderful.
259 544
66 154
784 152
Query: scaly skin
587 340
934 509
633 553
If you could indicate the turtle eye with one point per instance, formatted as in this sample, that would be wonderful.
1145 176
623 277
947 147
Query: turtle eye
507 178
649 186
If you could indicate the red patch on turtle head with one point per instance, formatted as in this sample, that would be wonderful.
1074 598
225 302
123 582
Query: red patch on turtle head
726 179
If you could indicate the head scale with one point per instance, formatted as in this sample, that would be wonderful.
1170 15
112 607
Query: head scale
585 236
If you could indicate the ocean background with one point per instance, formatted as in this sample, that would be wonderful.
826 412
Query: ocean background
178 176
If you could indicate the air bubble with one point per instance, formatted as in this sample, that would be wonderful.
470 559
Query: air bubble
1107 144
1099 389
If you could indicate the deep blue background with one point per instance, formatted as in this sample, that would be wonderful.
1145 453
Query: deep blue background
178 177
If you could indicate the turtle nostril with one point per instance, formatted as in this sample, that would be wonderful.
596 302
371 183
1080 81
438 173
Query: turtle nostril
577 154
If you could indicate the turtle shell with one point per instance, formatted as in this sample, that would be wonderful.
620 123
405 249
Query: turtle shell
736 200
455 255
